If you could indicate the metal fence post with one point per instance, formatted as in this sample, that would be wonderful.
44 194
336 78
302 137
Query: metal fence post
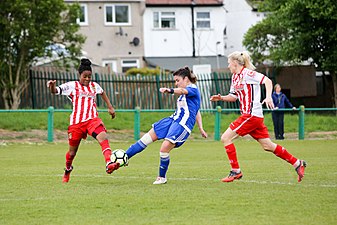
301 115
160 102
217 123
50 124
136 133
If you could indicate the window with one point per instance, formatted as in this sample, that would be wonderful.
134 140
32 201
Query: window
165 20
83 19
203 20
129 63
117 14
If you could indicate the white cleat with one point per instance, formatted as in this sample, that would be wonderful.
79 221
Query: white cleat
160 180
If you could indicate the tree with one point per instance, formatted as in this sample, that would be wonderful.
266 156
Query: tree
296 31
27 28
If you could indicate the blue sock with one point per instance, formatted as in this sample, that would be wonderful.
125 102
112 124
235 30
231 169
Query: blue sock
164 164
135 148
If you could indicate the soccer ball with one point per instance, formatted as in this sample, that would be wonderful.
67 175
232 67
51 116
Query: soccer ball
119 155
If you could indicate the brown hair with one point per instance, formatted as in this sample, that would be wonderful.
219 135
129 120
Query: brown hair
186 72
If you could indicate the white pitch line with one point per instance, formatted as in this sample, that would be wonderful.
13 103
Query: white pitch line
201 179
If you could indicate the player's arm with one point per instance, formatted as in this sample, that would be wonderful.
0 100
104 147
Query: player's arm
199 123
269 88
51 84
225 98
178 91
111 109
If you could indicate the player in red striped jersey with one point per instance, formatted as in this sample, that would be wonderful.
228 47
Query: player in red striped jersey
246 86
84 117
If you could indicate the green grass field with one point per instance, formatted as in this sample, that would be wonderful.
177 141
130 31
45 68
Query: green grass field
32 192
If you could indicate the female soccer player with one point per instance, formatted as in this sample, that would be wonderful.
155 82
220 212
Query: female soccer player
84 117
245 86
177 128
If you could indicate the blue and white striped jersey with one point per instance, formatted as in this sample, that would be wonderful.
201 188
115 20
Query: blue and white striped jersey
187 108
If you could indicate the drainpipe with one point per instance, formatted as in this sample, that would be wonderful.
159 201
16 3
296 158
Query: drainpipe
193 39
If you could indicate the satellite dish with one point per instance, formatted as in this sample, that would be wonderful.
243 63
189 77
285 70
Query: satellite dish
135 41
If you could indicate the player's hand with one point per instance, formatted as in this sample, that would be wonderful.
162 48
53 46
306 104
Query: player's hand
164 90
215 98
269 103
112 113
203 133
51 83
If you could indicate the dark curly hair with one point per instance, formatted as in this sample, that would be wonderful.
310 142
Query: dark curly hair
85 65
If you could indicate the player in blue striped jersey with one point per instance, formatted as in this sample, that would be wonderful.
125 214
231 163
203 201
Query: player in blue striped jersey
177 128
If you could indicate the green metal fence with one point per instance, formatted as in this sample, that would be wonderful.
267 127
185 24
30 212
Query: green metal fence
125 92
137 118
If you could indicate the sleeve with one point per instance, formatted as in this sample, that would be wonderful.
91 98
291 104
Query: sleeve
99 89
192 91
232 91
274 97
287 102
66 88
253 77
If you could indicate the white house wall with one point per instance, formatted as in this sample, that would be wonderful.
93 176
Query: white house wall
240 18
178 41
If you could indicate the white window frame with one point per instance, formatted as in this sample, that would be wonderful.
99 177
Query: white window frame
85 22
161 17
202 20
113 22
130 65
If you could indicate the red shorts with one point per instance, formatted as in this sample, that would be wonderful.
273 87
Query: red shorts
252 125
78 131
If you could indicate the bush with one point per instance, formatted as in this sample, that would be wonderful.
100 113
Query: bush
143 71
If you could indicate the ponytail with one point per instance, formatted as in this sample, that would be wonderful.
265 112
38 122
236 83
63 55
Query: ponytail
243 58
186 72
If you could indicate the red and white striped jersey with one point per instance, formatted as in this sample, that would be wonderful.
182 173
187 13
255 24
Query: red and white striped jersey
246 87
82 98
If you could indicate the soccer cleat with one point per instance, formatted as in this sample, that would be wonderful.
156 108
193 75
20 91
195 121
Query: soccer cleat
300 170
160 180
110 167
66 175
232 176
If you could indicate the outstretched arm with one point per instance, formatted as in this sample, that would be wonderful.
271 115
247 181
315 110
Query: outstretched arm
111 109
225 98
178 91
269 88
199 123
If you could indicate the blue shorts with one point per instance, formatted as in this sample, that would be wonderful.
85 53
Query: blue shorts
169 130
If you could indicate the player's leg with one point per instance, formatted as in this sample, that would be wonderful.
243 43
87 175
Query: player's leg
175 137
282 153
75 135
165 149
102 138
142 143
227 139
70 155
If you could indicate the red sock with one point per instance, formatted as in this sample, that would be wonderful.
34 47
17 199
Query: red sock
231 153
69 160
106 150
283 154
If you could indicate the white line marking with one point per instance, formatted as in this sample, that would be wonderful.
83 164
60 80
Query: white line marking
199 179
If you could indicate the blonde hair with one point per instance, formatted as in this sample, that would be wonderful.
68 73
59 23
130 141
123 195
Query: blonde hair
276 85
242 58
